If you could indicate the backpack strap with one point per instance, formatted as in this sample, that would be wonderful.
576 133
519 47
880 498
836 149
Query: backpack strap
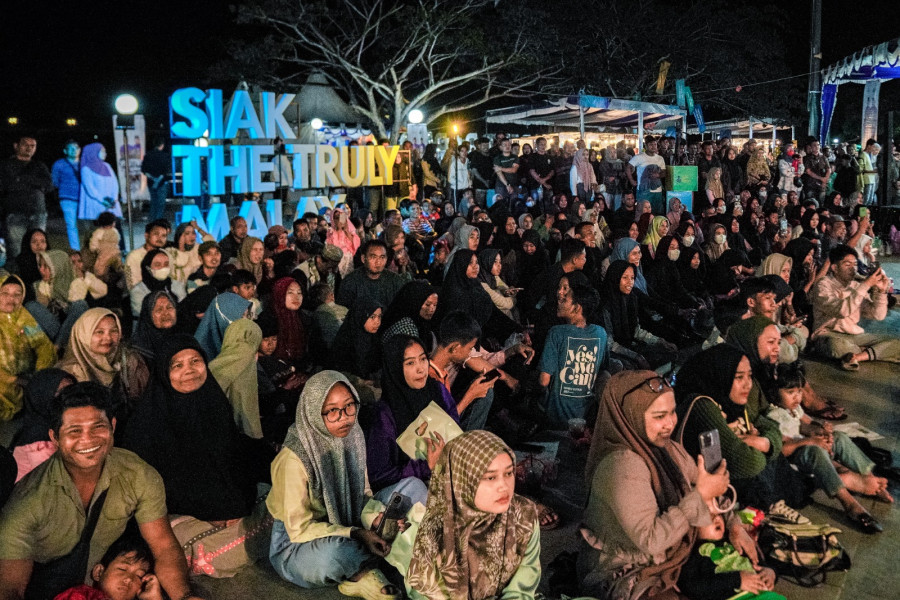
679 431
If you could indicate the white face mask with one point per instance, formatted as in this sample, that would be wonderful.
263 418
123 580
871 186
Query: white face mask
720 238
763 195
674 254
721 209
160 274
688 240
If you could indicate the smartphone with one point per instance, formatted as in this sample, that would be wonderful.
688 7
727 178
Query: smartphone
492 375
784 225
863 212
394 511
711 450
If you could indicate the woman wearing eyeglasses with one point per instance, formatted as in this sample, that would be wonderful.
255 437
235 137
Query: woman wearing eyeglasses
647 496
324 510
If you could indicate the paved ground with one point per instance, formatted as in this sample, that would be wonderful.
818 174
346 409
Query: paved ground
870 397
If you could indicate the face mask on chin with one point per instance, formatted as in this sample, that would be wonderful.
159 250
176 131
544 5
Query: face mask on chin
721 209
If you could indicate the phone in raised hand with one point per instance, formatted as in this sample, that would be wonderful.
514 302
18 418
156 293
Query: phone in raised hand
711 450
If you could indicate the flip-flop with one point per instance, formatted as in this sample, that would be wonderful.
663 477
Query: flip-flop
831 412
545 512
369 586
866 523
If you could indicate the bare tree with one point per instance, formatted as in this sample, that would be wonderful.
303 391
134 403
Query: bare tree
388 57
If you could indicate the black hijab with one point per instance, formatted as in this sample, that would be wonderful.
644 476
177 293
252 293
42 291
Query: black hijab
195 303
529 266
461 292
798 249
620 311
147 277
192 440
39 395
407 305
148 337
722 278
711 373
405 402
485 234
355 350
27 263
486 260
691 278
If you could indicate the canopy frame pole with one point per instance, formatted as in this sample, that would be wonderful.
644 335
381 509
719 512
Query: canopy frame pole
640 131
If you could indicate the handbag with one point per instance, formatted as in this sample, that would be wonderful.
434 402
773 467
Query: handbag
803 553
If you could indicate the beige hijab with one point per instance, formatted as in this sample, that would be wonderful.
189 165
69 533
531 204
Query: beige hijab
80 361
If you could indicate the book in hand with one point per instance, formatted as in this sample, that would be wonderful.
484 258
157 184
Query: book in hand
433 419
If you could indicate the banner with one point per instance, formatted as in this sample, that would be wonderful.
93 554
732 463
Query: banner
870 111
688 99
698 116
679 92
417 133
829 97
134 154
661 79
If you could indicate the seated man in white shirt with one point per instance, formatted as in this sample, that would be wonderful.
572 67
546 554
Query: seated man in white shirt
839 302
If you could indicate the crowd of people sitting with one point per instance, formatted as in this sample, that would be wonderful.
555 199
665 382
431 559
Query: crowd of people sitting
201 404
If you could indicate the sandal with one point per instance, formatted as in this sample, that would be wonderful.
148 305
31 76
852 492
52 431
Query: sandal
547 517
866 523
848 363
370 586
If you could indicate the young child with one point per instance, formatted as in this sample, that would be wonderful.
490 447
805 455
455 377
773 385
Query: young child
715 570
105 241
124 573
837 464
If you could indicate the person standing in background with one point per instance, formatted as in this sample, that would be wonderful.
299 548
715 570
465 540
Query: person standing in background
67 180
156 167
24 183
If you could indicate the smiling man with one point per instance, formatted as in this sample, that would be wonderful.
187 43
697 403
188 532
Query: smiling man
63 516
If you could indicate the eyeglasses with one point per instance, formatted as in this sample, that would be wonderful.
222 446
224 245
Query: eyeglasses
336 414
656 384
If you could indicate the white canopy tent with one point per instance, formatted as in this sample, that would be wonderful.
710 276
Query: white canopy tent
583 111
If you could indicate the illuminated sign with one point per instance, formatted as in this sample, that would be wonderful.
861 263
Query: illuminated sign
195 114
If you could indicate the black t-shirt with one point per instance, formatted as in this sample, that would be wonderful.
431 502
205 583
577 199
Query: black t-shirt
704 165
506 162
484 165
542 165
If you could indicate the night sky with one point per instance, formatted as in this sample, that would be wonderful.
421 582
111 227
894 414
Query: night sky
72 59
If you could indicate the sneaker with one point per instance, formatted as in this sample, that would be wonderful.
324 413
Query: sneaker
782 513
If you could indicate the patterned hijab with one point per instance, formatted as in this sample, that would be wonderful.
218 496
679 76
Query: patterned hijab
336 466
460 551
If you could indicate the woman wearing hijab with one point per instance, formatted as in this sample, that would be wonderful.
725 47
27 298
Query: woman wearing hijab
715 190
692 274
184 428
758 168
406 391
804 274
293 337
225 309
664 279
155 277
532 259
716 242
659 227
96 353
412 313
647 496
582 178
620 314
357 349
158 320
99 185
467 238
250 257
234 369
462 290
24 347
51 307
321 500
716 389
489 268
478 539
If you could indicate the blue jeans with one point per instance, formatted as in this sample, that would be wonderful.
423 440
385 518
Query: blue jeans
333 559
70 214
869 194
476 414
815 461
158 201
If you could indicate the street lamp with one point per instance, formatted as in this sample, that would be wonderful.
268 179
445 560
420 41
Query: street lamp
316 123
416 116
126 105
